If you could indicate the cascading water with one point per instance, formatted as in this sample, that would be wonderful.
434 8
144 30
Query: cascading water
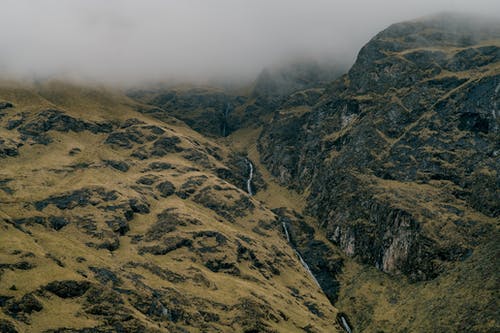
341 319
302 261
249 180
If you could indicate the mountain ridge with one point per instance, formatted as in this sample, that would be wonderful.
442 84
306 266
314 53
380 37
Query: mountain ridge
383 182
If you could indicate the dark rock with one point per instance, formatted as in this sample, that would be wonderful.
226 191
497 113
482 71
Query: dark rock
166 145
166 188
131 122
167 221
122 139
5 105
169 244
30 221
190 186
104 276
4 299
140 154
56 120
379 128
22 265
26 305
14 123
198 157
147 180
154 129
139 206
7 326
58 222
110 244
220 265
118 165
314 309
159 166
78 198
209 112
9 148
55 259
68 288
240 207
118 225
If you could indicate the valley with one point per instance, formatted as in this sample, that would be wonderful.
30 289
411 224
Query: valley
310 201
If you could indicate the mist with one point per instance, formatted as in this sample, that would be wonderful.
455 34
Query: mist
133 42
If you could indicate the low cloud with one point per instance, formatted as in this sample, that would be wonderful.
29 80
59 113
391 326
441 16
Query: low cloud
125 41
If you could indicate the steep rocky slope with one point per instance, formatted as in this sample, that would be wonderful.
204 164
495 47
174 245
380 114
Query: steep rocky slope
377 193
114 221
220 111
400 159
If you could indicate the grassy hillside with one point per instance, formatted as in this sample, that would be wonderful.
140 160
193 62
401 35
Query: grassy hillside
114 220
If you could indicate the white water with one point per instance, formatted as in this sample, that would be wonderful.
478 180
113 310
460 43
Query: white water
286 232
345 324
302 261
306 266
249 180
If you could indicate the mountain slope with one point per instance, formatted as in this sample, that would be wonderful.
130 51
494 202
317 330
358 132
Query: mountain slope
377 193
399 162
114 221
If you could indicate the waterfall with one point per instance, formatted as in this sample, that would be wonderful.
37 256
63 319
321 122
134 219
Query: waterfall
345 324
302 261
286 232
306 266
249 180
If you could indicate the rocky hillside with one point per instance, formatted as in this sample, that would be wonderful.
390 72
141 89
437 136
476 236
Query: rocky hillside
400 158
219 112
114 221
368 203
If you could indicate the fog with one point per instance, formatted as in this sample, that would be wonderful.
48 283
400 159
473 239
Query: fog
130 42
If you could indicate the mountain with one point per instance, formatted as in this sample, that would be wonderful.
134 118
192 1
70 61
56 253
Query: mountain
216 111
400 163
115 221
307 202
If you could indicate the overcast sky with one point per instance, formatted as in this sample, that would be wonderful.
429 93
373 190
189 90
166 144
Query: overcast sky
144 40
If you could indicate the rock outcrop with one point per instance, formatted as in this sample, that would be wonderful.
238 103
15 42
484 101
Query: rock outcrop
403 144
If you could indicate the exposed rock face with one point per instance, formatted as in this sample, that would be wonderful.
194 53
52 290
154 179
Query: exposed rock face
5 105
209 111
220 112
414 121
130 221
54 120
68 288
324 263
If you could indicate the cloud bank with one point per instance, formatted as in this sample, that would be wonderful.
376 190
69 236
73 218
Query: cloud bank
125 41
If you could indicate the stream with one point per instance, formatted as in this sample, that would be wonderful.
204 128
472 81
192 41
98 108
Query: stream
250 176
302 261
342 320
